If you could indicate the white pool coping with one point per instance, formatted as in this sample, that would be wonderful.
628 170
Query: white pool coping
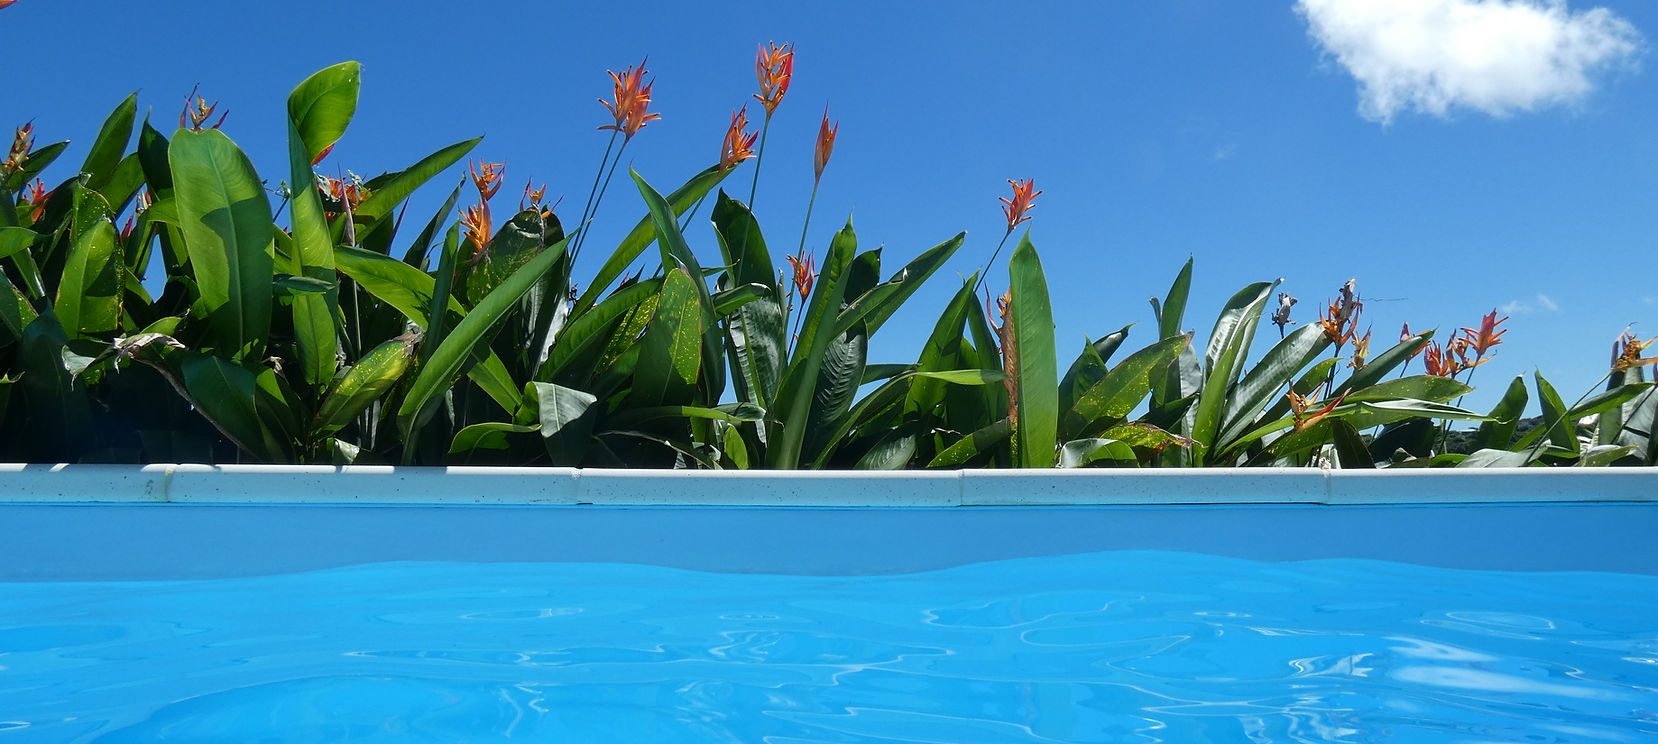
386 485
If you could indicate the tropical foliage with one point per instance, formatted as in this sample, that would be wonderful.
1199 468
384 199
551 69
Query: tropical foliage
212 326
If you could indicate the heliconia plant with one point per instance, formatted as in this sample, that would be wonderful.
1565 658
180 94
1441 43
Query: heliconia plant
304 324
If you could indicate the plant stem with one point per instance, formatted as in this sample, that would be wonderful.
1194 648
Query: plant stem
759 156
582 223
602 189
992 261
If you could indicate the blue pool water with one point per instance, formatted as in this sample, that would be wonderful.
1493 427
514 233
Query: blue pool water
1131 646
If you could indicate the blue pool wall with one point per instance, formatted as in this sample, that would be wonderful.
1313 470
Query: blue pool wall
91 522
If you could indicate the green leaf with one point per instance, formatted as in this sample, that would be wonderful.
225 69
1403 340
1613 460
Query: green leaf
1386 362
1560 428
731 413
391 191
973 445
1083 452
669 355
644 233
875 306
1031 315
88 298
1419 387
730 300
1169 315
1122 389
1089 367
791 410
1277 369
416 255
226 221
321 107
446 362
410 291
566 417
1351 451
490 435
1223 361
106 151
1497 433
585 331
224 393
365 382
33 165
15 239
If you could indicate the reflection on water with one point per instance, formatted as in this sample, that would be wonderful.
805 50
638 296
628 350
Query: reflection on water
1109 647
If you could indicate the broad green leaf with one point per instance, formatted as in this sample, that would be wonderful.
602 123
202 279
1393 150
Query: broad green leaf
1082 452
365 382
490 435
837 382
729 301
1223 361
106 151
741 244
669 353
88 298
390 191
1276 370
1560 428
1169 315
1419 387
973 445
15 311
1122 389
1031 315
940 352
586 330
1603 455
1089 367
36 162
733 413
226 220
224 393
644 233
1498 433
875 306
792 408
1351 452
321 107
566 417
410 291
469 335
1384 363
15 239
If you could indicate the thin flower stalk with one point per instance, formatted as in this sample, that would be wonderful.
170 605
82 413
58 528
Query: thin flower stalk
773 68
629 108
1016 211
820 159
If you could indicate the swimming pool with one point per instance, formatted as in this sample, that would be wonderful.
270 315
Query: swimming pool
251 604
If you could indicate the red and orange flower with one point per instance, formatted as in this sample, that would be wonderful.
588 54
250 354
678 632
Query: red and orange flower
1024 198
630 101
773 66
825 145
738 145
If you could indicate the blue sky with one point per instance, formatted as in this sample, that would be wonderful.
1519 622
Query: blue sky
1454 157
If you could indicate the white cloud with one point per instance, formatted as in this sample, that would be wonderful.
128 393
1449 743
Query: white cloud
1495 56
1521 307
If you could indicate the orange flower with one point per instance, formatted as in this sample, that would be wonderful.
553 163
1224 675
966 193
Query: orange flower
489 181
1024 194
1435 361
347 192
1361 349
1627 350
197 111
1487 336
37 195
533 198
1299 406
825 144
805 275
21 143
631 98
737 146
773 67
479 226
6 4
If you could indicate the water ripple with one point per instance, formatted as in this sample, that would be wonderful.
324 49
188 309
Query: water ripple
1135 647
